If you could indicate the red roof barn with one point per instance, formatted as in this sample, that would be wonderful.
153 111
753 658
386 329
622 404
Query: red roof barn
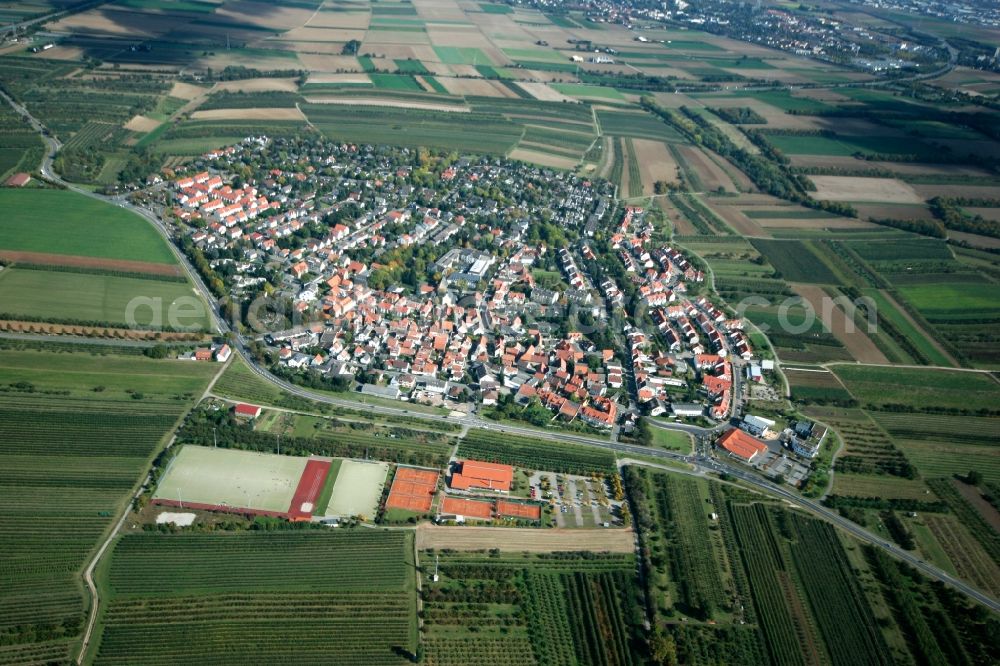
247 411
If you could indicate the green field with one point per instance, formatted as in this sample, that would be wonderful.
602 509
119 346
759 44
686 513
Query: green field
77 432
672 440
844 146
239 479
582 90
63 222
462 55
83 297
917 389
954 301
795 261
312 596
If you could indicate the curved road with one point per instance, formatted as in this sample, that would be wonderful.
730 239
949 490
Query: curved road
703 464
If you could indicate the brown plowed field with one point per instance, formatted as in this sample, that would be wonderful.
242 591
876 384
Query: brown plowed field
75 261
855 341
525 540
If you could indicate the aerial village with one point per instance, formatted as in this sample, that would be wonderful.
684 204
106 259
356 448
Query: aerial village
417 277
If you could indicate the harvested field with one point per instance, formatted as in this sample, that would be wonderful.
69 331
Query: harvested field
735 218
389 101
73 261
186 91
893 211
476 88
350 77
257 85
545 92
854 339
975 240
543 159
656 163
712 176
986 213
249 114
525 540
849 188
968 191
142 124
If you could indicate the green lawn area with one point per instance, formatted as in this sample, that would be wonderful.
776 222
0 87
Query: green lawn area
673 440
84 297
538 55
582 90
917 388
64 222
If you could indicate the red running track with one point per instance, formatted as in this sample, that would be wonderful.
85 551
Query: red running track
309 488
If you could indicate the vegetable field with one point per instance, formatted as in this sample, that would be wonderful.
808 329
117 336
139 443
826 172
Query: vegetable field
288 596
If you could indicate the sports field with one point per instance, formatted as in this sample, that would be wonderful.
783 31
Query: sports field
358 489
239 479
63 222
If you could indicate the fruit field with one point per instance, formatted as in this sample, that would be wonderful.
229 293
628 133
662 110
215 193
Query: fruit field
532 453
558 609
301 595
70 453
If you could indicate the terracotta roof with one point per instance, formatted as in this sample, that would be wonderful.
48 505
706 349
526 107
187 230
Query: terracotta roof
742 444
477 474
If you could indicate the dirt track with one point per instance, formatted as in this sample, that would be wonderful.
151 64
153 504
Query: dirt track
75 261
526 540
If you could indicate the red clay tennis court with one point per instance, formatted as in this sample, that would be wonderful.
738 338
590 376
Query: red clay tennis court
518 510
467 508
412 489
308 490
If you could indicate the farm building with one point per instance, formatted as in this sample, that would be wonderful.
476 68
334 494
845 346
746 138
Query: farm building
475 475
246 411
18 180
742 445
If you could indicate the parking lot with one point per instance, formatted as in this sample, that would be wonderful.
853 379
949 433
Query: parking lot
576 501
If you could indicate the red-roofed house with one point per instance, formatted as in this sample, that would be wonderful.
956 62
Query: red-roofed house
742 445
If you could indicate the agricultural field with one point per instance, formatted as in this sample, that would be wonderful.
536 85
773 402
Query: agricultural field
77 433
71 297
535 454
67 223
916 390
346 596
526 608
756 592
